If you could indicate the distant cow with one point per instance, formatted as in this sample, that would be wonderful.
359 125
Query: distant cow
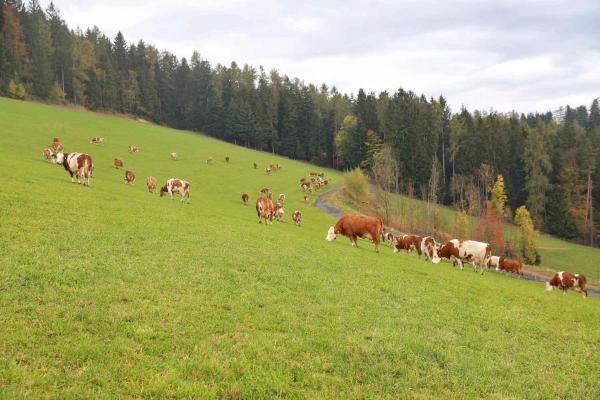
268 171
305 185
209 160
245 198
151 184
354 226
389 238
173 156
430 248
508 265
459 251
265 191
278 212
226 158
568 280
306 198
78 165
312 173
175 185
57 145
408 243
133 149
97 140
297 217
129 177
264 210
47 153
281 198
255 165
118 162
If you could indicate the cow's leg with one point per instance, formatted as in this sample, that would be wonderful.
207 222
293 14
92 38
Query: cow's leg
353 240
377 247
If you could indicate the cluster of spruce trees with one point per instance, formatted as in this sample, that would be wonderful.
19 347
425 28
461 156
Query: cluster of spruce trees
550 165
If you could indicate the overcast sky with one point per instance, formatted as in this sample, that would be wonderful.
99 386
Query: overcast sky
503 55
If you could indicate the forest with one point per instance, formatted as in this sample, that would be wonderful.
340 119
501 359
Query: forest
547 162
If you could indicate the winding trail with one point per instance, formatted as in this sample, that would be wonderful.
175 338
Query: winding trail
336 212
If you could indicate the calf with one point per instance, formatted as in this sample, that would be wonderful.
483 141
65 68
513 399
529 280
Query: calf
47 153
245 198
297 217
118 163
389 238
175 185
133 149
78 165
430 248
173 156
129 177
57 145
459 251
568 280
508 265
408 243
278 212
493 262
151 184
354 226
264 210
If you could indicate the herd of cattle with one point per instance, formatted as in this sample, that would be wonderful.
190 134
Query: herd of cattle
479 254
80 167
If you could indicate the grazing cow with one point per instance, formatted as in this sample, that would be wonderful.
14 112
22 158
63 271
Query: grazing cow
174 156
297 217
281 198
508 265
151 184
278 211
245 198
306 198
313 174
389 238
129 177
47 153
264 210
255 165
226 158
430 248
133 149
408 243
97 140
354 226
118 162
175 185
568 280
209 160
268 171
57 145
459 251
78 165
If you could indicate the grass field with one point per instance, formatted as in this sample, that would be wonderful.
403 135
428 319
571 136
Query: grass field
112 292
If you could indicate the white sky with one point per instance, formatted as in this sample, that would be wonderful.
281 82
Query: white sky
503 55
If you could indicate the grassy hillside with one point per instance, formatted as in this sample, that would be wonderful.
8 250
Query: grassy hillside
110 291
557 255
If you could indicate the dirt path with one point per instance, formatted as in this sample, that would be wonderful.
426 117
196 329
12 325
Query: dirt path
529 275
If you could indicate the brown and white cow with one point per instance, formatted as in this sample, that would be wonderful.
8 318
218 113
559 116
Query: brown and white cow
129 177
281 198
408 243
459 251
133 149
175 185
305 186
297 217
57 145
493 262
78 165
354 226
509 265
264 210
430 248
97 140
47 153
389 238
278 211
118 162
151 184
245 198
568 280
173 156
268 171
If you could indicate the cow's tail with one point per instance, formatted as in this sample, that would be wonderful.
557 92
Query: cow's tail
381 229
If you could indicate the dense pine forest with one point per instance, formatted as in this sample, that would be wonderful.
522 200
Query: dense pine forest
549 163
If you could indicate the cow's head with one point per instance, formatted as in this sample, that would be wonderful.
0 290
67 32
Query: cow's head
163 190
59 157
331 235
549 287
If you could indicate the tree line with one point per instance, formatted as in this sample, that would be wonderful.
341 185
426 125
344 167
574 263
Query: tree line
549 164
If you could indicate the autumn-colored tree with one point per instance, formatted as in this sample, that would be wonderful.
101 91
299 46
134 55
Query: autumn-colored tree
499 195
461 225
16 90
528 235
489 229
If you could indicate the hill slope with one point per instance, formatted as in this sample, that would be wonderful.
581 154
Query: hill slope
110 291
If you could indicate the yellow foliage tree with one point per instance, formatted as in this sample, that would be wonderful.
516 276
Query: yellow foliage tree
499 195
528 235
